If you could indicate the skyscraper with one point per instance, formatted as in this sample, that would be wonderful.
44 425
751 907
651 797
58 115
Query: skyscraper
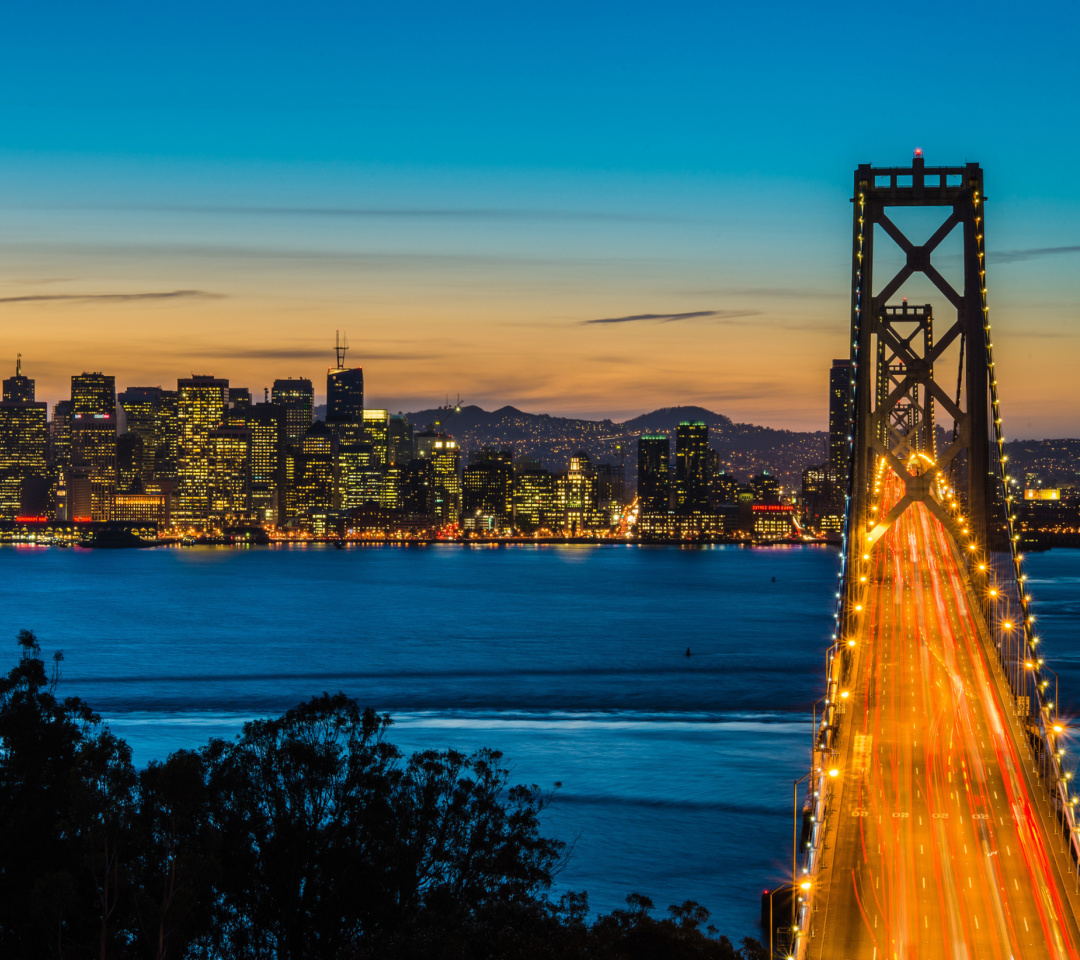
23 443
19 389
93 438
839 418
266 424
297 397
139 415
200 410
344 387
377 433
654 473
692 466
93 394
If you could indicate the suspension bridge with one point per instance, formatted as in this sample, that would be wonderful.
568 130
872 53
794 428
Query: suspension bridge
938 816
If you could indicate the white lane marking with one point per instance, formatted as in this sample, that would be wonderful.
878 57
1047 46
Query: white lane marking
1025 923
969 883
924 883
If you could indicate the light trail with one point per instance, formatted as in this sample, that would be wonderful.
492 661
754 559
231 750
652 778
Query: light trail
936 848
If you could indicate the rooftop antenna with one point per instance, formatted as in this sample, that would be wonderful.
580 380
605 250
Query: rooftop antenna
341 344
266 394
18 365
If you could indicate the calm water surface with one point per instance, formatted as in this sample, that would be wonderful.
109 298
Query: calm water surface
676 771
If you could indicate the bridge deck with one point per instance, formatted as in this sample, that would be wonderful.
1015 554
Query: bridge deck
936 846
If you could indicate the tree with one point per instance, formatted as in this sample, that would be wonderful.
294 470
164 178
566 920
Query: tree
64 802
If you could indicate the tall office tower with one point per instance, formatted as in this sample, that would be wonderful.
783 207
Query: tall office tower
266 424
318 488
399 439
362 479
229 470
839 419
93 394
167 432
297 397
692 466
766 488
93 439
575 496
24 486
200 410
138 414
487 487
93 460
239 397
344 387
445 457
19 389
60 434
725 488
129 463
377 433
417 492
654 473
534 498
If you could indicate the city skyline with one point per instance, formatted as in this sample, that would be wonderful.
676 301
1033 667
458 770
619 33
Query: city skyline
641 212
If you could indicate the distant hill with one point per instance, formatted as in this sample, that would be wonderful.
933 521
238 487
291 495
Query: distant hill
745 449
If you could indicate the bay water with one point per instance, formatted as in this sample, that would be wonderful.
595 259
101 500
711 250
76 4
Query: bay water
676 770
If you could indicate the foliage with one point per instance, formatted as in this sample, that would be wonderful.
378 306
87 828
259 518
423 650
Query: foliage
308 836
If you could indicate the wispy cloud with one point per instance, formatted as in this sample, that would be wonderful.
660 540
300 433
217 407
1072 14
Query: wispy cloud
301 353
115 297
418 213
675 317
1012 256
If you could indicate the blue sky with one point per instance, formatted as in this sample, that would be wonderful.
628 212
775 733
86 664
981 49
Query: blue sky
463 186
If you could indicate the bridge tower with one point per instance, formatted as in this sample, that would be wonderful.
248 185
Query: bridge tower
898 378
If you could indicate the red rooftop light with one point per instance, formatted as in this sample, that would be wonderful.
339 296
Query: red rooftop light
918 151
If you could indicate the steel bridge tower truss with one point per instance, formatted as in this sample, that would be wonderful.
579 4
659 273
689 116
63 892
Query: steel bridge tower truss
900 425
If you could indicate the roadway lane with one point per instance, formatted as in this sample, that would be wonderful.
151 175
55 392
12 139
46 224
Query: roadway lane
937 850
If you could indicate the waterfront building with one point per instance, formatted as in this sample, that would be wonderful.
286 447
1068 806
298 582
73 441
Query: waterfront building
18 389
229 476
297 398
445 457
692 466
93 459
772 521
417 489
24 486
534 498
200 411
142 508
318 486
654 473
575 497
487 490
265 423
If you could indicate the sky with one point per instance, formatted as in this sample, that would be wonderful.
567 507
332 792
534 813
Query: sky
585 209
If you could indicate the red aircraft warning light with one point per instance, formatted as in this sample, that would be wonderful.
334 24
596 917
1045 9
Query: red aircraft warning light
918 151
